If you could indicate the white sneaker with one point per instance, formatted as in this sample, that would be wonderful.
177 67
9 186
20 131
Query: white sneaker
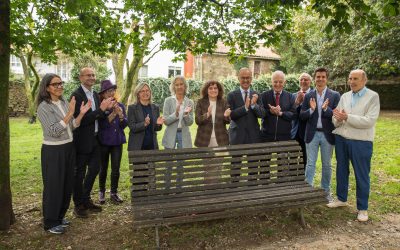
362 216
336 203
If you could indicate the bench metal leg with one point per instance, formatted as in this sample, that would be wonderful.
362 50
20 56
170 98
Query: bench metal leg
302 220
157 239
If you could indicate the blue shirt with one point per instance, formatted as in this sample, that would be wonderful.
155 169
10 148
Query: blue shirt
355 97
320 101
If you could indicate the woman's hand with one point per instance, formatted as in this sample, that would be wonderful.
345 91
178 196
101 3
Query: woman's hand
160 120
71 106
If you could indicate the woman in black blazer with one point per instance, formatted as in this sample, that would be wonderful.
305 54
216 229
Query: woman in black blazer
143 120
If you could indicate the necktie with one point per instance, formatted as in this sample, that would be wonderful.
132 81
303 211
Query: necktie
277 95
245 96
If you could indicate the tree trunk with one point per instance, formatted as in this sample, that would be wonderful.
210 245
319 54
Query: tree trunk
30 89
7 216
139 51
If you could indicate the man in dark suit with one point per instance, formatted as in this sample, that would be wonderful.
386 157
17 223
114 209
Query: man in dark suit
279 110
317 111
87 143
245 110
298 125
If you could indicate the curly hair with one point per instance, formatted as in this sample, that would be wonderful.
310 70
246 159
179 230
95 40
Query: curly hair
204 89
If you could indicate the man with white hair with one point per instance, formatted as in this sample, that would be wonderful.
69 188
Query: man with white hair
279 110
355 118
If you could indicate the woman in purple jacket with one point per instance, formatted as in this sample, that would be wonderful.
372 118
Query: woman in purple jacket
111 136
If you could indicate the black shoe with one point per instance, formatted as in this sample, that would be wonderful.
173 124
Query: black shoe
116 198
92 207
56 230
65 223
81 211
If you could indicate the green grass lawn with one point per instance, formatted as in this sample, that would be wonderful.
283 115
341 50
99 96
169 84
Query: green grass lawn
26 184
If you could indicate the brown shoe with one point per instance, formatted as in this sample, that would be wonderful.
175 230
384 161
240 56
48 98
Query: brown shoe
81 211
92 207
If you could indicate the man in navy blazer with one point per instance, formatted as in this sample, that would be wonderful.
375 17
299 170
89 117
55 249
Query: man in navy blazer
299 126
246 109
87 143
317 111
279 110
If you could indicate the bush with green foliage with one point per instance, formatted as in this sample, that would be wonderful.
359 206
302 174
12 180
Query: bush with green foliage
160 86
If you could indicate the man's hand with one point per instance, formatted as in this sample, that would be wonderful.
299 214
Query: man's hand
340 115
299 98
85 107
325 104
247 103
254 99
313 104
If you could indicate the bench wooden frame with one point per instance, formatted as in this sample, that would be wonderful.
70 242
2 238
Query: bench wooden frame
170 187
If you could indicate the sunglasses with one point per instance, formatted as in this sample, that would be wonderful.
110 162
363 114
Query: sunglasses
57 85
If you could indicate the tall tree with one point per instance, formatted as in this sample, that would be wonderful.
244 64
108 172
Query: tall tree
6 212
44 29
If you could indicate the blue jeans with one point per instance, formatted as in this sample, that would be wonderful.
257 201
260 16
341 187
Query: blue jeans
359 153
319 141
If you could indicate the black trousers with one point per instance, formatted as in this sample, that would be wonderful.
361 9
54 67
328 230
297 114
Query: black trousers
84 180
58 163
116 154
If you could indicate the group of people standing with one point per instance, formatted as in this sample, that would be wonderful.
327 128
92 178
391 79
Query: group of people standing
80 136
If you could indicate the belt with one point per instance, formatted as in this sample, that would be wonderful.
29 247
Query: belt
179 130
320 129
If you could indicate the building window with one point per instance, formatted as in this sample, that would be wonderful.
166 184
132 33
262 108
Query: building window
257 69
174 71
15 62
143 71
62 70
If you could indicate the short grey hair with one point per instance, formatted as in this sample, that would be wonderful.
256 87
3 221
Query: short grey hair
278 72
137 89
172 85
306 75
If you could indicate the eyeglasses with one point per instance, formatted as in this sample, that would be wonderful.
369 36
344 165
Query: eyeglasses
57 85
89 75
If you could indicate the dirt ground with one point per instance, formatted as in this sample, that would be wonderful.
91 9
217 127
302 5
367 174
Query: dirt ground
112 229
352 235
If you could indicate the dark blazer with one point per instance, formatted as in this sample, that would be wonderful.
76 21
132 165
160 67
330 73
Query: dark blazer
277 128
244 127
298 125
205 126
84 135
326 116
137 128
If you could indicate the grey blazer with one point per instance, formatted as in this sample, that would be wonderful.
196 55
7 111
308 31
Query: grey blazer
137 128
171 121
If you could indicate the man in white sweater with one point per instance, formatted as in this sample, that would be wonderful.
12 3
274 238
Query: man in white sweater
355 118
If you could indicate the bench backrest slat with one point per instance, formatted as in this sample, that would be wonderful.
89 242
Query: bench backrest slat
156 172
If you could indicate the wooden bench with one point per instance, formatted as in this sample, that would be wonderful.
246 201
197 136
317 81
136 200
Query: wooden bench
198 184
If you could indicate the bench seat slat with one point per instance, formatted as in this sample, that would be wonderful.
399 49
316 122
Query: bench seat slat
225 214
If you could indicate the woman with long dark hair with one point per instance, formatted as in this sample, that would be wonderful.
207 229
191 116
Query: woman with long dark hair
58 151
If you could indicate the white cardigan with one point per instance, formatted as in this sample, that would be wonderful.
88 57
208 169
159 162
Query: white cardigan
361 120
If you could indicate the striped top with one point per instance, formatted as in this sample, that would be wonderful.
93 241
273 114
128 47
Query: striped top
55 131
